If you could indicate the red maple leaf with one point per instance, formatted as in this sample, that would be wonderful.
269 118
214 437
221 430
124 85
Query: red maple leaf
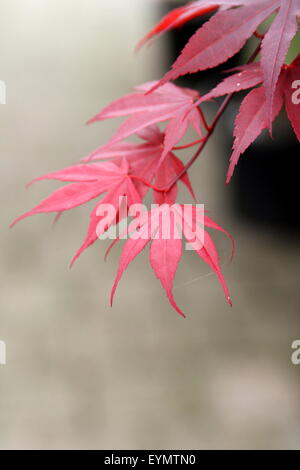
88 182
250 122
169 103
143 160
252 118
164 226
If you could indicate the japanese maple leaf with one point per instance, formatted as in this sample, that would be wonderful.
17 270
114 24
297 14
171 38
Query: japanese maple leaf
253 114
227 32
143 160
88 182
250 122
169 103
164 226
252 118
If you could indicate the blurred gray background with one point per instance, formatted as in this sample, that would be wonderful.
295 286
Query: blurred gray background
80 374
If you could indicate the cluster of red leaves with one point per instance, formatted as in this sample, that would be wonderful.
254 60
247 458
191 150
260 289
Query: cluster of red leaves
123 168
127 165
227 32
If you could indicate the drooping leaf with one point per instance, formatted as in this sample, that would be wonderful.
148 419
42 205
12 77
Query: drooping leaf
249 76
164 226
252 118
250 122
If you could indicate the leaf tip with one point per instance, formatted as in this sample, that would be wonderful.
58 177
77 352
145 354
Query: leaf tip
14 222
91 120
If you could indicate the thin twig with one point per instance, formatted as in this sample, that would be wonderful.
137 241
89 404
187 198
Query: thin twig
182 147
203 118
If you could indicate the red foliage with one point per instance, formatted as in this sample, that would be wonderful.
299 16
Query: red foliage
130 169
